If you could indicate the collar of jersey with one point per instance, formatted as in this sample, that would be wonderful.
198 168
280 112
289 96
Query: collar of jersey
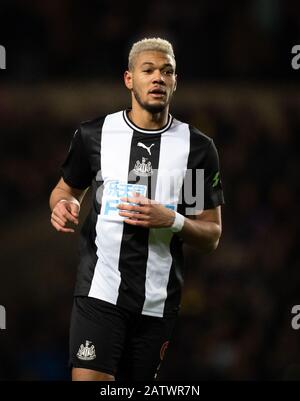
147 131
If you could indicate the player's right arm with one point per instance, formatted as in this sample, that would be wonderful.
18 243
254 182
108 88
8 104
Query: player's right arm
65 206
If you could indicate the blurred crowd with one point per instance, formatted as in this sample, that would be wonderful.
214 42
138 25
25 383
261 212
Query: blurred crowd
236 313
53 39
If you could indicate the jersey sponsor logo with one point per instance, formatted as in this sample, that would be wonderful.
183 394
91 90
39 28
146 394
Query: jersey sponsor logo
115 190
86 352
143 168
142 145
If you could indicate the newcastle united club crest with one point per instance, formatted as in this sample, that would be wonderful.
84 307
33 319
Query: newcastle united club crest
87 352
143 169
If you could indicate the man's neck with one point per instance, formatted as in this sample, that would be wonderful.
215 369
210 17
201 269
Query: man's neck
144 119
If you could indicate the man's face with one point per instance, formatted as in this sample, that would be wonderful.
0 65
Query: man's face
152 81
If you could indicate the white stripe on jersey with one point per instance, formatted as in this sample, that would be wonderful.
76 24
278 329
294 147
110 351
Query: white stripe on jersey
116 141
173 159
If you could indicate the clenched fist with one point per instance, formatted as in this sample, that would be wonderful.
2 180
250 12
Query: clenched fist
65 211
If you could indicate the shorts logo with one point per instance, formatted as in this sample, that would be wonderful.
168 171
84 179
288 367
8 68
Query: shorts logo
163 350
87 352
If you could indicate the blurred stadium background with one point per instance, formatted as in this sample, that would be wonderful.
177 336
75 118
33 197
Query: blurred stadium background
65 61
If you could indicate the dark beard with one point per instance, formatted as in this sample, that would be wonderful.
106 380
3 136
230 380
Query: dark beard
153 109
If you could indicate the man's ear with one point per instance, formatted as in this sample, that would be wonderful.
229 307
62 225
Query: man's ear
128 79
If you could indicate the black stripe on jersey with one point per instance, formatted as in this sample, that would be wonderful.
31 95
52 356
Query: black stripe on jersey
134 246
87 247
175 282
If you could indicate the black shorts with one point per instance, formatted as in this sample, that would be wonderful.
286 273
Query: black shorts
110 339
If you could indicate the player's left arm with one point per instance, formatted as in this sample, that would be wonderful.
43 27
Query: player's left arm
203 231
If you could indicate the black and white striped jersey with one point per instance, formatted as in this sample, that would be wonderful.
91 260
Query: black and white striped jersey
137 268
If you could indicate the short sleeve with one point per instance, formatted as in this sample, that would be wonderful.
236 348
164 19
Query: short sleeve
213 190
76 169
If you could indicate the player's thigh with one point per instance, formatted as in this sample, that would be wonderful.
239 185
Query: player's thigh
79 374
97 336
146 348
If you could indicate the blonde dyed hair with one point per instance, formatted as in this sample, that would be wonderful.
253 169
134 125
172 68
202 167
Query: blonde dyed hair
149 44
